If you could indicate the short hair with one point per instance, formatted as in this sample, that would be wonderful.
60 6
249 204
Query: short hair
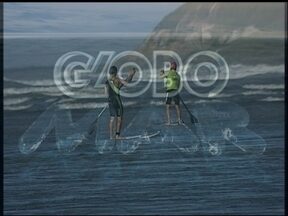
174 63
113 70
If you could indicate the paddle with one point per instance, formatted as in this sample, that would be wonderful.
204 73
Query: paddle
196 128
92 127
193 119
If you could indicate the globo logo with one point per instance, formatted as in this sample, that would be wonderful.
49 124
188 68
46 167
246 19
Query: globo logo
204 74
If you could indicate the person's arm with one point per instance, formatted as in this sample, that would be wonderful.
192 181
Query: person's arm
129 78
162 74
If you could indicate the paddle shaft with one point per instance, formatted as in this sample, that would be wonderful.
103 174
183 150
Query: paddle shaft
193 118
91 129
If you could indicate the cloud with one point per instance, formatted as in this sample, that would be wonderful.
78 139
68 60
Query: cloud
84 17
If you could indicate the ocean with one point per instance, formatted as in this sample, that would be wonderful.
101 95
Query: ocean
231 162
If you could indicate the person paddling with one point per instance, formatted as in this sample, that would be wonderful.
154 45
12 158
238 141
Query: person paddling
172 84
113 86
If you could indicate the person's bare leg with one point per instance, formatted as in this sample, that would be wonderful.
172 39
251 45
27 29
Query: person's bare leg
118 128
178 113
168 114
112 127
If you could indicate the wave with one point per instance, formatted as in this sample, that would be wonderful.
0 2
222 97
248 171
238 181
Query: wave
50 91
44 82
223 95
89 105
26 90
272 99
204 101
267 86
236 71
259 92
157 103
66 104
17 108
15 101
239 71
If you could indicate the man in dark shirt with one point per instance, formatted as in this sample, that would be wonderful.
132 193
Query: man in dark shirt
113 85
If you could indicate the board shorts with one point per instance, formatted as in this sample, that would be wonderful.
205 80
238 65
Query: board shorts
115 106
172 95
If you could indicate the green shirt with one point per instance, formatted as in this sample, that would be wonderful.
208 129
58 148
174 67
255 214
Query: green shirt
172 81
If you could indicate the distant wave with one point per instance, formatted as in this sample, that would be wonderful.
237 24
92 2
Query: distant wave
259 92
162 102
240 71
68 104
89 105
237 71
223 95
16 108
15 101
50 91
205 101
272 99
267 86
45 82
45 87
29 90
157 103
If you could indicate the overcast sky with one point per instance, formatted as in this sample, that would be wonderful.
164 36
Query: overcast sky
84 17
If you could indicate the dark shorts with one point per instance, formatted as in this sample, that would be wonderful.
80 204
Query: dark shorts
115 106
172 95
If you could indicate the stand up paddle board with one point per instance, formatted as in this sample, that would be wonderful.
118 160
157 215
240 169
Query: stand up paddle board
145 136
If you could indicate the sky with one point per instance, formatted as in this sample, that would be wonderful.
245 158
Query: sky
84 18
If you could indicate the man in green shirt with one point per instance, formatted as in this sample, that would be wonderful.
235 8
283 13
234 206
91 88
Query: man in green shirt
172 84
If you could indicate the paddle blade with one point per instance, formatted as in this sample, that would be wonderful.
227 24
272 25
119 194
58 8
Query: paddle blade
193 119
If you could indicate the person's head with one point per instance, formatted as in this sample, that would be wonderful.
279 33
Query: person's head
113 71
173 65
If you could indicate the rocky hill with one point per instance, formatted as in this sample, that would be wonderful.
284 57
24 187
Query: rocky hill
219 27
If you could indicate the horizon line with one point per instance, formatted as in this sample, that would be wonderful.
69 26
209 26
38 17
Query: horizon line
12 35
